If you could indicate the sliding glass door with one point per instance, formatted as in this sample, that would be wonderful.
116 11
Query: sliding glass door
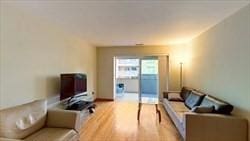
149 80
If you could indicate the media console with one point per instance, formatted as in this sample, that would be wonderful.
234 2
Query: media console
80 105
83 103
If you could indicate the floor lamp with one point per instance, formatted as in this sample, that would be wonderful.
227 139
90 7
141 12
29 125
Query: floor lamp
181 75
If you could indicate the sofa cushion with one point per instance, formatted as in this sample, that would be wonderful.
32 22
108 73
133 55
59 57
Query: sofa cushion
185 91
203 109
194 99
20 121
178 106
220 106
53 134
175 97
170 107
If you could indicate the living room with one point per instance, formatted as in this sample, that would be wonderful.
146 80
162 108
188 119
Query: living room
202 45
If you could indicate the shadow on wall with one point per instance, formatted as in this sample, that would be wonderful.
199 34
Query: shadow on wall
47 86
52 86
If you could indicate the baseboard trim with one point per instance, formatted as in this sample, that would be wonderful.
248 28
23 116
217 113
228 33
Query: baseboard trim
104 99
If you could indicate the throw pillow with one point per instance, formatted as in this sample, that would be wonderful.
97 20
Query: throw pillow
194 99
203 109
175 97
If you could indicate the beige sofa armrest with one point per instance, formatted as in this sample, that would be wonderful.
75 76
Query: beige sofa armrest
214 127
165 94
63 119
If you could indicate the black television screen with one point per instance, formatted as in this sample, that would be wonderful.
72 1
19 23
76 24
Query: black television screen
72 84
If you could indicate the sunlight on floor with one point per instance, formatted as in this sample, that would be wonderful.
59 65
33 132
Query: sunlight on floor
116 121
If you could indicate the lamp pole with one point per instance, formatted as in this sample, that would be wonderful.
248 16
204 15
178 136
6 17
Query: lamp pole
181 66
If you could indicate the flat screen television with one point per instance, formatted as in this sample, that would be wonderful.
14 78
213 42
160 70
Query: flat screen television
73 84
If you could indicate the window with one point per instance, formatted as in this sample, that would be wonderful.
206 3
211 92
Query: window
149 66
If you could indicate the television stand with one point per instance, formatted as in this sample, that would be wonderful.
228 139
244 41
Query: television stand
81 105
85 111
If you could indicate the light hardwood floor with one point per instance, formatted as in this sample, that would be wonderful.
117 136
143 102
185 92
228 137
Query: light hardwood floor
116 121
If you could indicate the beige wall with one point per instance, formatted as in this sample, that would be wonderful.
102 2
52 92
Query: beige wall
105 60
221 62
34 53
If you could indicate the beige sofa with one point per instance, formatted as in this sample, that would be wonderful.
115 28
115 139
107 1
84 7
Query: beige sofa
211 126
33 122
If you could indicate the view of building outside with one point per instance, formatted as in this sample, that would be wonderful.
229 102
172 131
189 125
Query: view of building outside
149 66
129 68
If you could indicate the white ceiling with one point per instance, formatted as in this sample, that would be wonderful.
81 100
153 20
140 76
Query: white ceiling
128 22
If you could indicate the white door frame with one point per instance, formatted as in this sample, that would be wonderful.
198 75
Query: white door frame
139 77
